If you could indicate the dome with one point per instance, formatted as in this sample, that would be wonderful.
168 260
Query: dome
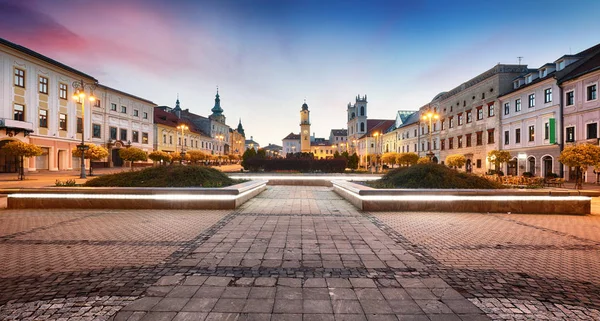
438 96
304 106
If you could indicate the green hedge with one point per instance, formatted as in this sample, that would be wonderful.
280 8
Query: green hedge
303 165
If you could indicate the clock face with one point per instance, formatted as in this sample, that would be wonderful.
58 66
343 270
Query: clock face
305 132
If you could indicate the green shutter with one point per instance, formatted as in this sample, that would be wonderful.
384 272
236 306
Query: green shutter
552 131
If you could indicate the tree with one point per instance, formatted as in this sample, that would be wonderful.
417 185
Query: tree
249 153
353 161
423 160
389 158
498 157
93 153
160 157
581 157
456 160
336 154
22 150
133 154
195 156
261 153
407 159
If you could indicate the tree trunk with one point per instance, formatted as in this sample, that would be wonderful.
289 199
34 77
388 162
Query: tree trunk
21 169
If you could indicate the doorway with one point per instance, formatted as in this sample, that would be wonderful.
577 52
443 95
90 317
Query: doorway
511 167
117 161
547 165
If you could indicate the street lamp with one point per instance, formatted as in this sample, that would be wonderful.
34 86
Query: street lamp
182 127
376 135
430 116
79 96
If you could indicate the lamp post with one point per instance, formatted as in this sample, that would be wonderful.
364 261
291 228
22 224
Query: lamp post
430 116
182 127
79 96
376 135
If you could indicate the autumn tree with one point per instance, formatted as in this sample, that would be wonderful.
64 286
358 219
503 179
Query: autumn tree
580 157
195 156
133 154
21 150
423 160
160 157
389 158
498 157
407 159
93 152
456 160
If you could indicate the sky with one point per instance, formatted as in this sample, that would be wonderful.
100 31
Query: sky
266 57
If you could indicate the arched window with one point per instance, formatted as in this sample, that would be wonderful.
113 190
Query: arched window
362 127
353 115
362 110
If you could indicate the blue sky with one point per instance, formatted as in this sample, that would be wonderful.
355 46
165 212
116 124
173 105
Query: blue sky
267 56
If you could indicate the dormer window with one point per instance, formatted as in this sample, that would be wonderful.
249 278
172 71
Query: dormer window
529 78
544 72
560 65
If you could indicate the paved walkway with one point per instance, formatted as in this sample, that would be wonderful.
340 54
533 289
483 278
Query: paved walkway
297 253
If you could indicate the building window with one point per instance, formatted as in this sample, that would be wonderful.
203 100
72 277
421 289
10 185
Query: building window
19 112
591 92
43 118
592 130
460 119
164 139
531 133
570 134
62 91
451 143
547 131
479 163
362 110
123 109
144 138
506 137
451 122
97 102
518 105
548 95
518 136
62 121
123 134
19 77
570 98
171 141
491 110
113 107
362 127
490 136
442 144
79 125
459 139
480 113
469 117
468 140
113 133
135 113
506 108
96 131
135 136
43 85
531 100
145 115
442 123
479 138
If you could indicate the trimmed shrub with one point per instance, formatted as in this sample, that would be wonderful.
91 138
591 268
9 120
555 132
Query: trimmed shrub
303 165
165 176
432 176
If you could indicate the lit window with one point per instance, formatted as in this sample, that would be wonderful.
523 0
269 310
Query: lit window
531 133
43 87
135 136
19 112
43 118
19 77
96 131
144 138
518 105
62 121
62 91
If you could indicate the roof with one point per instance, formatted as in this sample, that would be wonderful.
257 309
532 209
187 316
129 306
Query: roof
292 136
590 64
39 56
124 93
250 141
412 119
339 132
378 125
169 119
533 82
320 143
272 147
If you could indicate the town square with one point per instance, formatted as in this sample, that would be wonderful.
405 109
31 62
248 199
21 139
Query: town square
299 160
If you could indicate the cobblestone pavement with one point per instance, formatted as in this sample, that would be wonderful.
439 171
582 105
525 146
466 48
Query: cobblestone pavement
296 253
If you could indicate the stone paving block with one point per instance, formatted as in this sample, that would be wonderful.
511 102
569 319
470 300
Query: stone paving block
195 280
288 306
143 304
159 291
255 317
376 307
444 317
362 283
170 280
209 292
315 294
347 307
200 305
219 316
218 281
316 306
433 307
170 304
289 293
229 305
462 306
262 293
412 317
315 283
318 317
350 317
381 317
265 281
259 305
190 316
421 294
244 282
183 291
159 316
287 317
406 306
236 292
342 294
410 282
369 294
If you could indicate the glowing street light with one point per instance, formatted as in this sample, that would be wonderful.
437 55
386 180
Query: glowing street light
430 116
183 127
79 96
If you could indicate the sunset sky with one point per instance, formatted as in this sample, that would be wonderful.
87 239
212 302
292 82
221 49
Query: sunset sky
268 56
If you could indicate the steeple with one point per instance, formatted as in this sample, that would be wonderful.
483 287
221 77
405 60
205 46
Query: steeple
177 109
240 129
217 110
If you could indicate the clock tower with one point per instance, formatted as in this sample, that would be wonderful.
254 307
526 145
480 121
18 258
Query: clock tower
304 129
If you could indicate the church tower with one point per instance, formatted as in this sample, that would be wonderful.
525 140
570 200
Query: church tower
217 111
304 129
